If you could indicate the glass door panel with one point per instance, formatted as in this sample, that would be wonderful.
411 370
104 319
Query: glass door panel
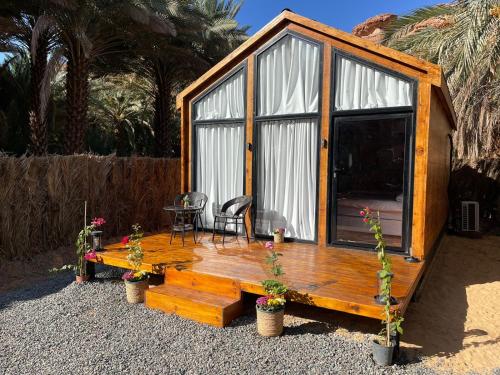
369 170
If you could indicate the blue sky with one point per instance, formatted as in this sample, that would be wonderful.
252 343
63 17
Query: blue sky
341 14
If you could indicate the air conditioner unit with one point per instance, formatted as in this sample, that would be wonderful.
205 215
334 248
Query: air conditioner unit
470 216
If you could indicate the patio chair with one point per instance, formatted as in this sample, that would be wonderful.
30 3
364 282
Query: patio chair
233 212
197 199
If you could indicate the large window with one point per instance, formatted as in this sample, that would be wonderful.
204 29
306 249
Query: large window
287 126
219 136
359 86
371 143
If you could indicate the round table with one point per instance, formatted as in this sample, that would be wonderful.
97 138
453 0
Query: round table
179 224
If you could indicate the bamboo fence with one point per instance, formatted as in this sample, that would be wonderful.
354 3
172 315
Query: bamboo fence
42 198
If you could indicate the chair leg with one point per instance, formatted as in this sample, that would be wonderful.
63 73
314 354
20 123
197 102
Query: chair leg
246 230
213 232
224 231
201 223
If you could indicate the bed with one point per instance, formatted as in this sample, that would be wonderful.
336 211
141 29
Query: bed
391 213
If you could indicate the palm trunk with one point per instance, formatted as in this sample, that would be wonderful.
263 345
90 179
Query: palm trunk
77 94
38 116
122 144
163 116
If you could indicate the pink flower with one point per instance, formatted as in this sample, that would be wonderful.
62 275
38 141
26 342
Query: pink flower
362 213
269 245
125 240
90 255
98 221
365 220
262 301
129 275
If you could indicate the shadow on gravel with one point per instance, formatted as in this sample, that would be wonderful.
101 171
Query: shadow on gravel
49 286
315 328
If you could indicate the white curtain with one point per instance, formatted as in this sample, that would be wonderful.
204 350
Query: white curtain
224 102
359 86
288 78
287 177
219 164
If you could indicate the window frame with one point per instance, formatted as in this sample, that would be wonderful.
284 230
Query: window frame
236 121
291 116
390 112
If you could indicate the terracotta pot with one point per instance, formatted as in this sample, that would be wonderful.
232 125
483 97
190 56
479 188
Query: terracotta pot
82 279
135 290
270 324
279 237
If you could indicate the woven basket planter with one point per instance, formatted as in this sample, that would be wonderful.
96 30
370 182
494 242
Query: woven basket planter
135 290
270 324
279 237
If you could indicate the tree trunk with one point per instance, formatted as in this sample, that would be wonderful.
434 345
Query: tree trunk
77 94
162 121
38 115
122 144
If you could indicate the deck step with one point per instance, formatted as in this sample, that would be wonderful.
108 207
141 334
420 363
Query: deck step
200 306
203 282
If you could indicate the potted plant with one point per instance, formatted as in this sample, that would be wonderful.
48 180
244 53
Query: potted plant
84 252
186 201
279 235
271 307
383 348
136 281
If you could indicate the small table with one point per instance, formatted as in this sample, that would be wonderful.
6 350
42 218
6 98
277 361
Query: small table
181 213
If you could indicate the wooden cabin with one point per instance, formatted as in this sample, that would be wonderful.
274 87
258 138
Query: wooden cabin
317 124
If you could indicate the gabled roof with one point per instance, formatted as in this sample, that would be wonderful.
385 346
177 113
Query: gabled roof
433 71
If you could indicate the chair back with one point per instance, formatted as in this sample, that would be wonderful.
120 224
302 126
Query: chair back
196 198
242 204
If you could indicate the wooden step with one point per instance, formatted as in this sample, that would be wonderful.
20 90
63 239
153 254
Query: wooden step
200 306
203 282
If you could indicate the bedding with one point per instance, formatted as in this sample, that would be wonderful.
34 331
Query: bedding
391 214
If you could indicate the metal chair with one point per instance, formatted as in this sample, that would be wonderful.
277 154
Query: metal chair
197 199
241 206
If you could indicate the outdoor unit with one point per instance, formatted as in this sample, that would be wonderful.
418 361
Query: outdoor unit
470 216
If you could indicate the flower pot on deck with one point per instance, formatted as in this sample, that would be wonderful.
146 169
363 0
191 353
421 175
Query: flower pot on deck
279 237
80 279
382 355
135 290
270 323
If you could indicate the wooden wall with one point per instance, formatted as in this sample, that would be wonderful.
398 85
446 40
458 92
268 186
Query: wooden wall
425 224
438 172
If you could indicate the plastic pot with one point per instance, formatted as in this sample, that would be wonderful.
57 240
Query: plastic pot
382 355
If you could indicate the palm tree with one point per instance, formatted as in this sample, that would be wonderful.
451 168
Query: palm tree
27 29
90 31
206 31
121 107
464 38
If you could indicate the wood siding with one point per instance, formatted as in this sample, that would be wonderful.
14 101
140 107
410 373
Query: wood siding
433 121
438 172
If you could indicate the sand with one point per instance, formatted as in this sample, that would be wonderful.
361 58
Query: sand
455 322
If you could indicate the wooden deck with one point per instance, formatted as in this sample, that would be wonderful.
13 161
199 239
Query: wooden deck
333 278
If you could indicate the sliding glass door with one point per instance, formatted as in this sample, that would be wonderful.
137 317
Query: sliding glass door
371 135
369 169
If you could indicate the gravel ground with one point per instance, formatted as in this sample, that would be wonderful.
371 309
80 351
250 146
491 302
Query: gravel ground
58 327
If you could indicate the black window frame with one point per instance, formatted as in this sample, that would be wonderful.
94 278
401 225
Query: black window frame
237 121
292 116
389 112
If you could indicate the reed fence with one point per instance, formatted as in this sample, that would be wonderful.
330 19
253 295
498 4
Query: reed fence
42 198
